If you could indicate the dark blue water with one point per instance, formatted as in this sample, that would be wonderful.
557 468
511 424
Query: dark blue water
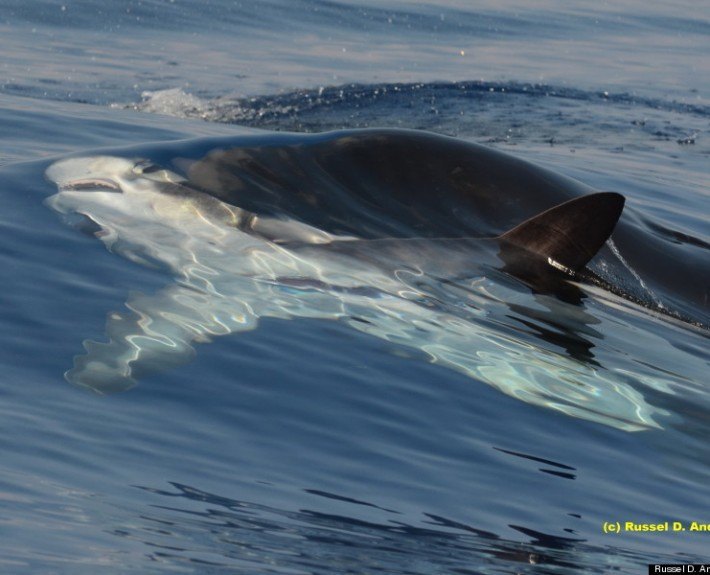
304 445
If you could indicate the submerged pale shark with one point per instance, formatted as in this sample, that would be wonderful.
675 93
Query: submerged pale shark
410 237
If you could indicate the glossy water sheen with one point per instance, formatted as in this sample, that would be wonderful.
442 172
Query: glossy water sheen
306 446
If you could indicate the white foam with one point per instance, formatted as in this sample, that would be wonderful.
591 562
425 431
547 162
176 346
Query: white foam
173 102
656 300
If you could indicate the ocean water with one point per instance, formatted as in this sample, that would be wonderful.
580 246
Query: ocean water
473 428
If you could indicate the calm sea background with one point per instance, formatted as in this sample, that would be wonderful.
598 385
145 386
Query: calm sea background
305 446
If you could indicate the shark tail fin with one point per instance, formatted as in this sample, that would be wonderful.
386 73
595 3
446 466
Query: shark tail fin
571 233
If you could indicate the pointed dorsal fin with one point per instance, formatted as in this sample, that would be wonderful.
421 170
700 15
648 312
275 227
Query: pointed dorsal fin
570 233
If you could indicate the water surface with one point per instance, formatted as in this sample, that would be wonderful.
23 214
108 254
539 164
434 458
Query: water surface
305 445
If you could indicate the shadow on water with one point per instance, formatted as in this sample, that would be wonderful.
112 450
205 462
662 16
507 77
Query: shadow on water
215 532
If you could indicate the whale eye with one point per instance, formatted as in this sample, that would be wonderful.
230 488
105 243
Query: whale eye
155 172
145 168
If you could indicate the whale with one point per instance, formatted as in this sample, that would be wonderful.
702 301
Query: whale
421 240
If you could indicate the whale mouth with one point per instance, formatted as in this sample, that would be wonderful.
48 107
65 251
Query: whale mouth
91 185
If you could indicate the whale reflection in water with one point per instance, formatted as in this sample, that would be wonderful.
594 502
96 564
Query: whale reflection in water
469 255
